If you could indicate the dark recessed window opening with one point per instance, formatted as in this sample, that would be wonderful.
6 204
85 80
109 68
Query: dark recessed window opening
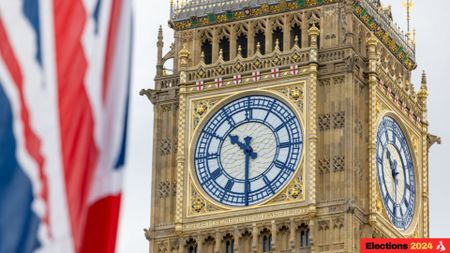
242 42
260 38
207 51
224 45
277 35
296 32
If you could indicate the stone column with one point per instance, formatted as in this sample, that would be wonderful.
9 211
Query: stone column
181 242
286 34
274 237
313 34
372 43
268 33
292 235
183 56
200 240
251 39
233 42
237 237
423 97
218 240
255 235
215 46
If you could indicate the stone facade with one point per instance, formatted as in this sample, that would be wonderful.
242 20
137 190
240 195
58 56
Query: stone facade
325 60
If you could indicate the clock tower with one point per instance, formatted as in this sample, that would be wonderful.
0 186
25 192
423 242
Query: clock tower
286 126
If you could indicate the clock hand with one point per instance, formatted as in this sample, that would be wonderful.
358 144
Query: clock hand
234 139
247 175
393 166
249 153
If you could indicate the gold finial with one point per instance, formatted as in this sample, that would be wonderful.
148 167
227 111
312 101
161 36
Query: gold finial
414 36
408 5
423 93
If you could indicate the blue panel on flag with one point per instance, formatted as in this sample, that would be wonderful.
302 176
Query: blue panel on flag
18 223
96 14
123 146
31 11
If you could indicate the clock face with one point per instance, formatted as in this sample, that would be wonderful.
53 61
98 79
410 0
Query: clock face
395 169
248 150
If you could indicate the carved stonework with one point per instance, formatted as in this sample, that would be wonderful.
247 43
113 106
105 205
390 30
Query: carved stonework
324 166
163 247
324 82
338 223
165 189
338 163
324 225
324 122
165 147
295 94
166 108
200 205
294 191
201 108
338 120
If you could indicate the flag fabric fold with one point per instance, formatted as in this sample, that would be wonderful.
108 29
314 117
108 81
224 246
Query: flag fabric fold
64 94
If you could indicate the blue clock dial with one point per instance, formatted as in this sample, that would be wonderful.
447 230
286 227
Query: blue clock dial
248 150
395 169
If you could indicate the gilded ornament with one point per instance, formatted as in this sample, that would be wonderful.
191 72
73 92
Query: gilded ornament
198 204
379 205
201 108
296 93
379 107
265 8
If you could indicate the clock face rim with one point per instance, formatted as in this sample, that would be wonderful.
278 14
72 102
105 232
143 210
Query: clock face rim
406 136
204 121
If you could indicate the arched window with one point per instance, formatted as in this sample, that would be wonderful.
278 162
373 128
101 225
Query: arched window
224 45
267 243
277 35
207 51
229 243
304 236
229 246
242 42
191 246
296 34
193 249
260 39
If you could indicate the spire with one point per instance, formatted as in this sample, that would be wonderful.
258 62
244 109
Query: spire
408 5
160 47
423 92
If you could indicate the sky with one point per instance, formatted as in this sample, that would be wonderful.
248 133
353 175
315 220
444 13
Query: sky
430 18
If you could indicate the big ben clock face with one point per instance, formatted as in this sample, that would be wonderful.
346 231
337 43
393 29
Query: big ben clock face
248 150
395 169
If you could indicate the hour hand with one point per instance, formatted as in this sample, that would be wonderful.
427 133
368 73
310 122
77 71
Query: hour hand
235 140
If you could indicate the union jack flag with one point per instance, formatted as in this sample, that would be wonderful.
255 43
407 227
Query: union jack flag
64 94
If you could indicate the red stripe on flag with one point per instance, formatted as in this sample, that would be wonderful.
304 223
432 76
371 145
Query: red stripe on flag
32 141
111 44
101 226
79 151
